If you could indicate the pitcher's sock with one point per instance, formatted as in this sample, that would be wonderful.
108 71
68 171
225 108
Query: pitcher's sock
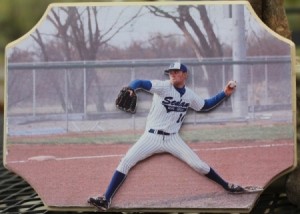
115 183
217 178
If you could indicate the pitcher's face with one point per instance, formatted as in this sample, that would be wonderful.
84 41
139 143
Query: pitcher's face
177 78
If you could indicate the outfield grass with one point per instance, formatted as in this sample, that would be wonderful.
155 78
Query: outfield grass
206 134
250 132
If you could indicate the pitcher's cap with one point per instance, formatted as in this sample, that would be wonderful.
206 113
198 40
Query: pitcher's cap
177 66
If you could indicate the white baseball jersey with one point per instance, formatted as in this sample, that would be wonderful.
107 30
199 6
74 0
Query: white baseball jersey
169 107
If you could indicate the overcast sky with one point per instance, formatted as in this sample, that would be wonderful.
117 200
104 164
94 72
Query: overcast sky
147 24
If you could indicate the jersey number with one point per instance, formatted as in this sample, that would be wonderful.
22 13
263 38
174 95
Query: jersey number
180 119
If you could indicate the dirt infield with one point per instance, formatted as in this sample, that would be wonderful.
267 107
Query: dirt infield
66 175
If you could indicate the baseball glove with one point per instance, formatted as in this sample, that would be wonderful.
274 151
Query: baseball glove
126 100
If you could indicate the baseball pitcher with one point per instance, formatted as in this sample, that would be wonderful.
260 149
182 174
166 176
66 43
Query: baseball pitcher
171 100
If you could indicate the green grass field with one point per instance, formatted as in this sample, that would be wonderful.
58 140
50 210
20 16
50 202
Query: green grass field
205 134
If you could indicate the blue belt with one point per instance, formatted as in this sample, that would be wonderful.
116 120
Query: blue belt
158 132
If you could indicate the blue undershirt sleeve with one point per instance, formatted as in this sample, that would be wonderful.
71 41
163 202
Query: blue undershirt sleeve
143 84
213 101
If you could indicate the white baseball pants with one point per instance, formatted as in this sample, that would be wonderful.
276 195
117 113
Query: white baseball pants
150 144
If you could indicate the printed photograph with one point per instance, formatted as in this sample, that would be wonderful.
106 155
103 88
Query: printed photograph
150 106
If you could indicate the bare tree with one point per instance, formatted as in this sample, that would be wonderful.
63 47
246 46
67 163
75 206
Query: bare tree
205 42
79 36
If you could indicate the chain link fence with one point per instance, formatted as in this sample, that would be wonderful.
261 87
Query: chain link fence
79 96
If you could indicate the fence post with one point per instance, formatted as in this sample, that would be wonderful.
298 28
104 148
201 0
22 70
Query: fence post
66 100
240 105
84 89
33 92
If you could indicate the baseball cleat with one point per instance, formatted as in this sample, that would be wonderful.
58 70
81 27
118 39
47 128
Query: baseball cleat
253 189
235 189
100 202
